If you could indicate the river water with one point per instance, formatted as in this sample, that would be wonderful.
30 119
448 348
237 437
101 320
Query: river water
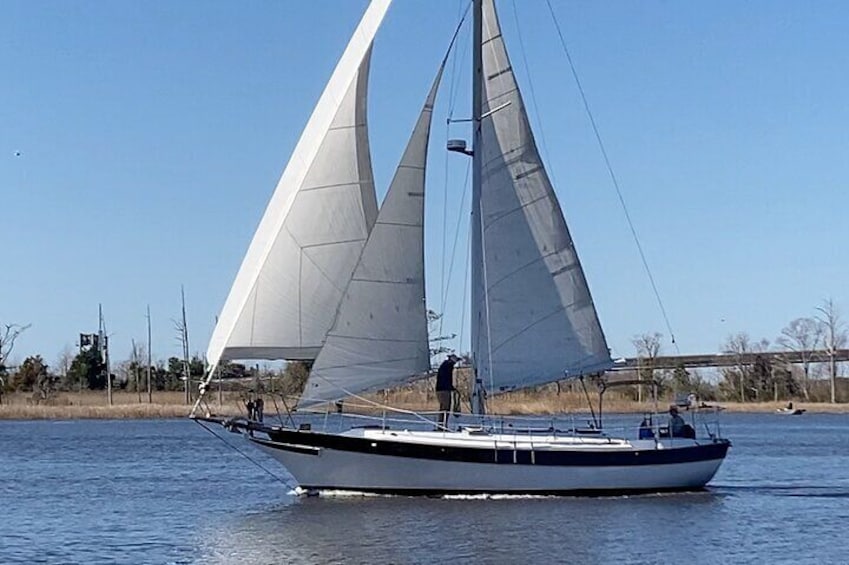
169 492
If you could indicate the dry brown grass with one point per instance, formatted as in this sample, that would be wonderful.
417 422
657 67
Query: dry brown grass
548 402
420 397
93 405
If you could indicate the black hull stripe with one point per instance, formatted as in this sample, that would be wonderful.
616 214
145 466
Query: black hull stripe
290 440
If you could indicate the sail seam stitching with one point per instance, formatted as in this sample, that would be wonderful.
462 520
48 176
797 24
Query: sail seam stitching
528 327
355 338
315 245
352 126
490 39
515 210
398 224
338 185
325 275
379 281
324 377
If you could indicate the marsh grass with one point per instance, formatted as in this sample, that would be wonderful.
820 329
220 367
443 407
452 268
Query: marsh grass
93 405
417 397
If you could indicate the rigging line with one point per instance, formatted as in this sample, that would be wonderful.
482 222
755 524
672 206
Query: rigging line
452 98
444 229
468 264
613 176
246 456
486 297
451 101
368 401
533 94
460 217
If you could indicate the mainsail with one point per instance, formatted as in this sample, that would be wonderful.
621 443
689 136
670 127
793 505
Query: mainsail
380 334
300 260
533 319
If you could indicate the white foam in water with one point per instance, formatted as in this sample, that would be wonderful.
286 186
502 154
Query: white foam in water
494 496
340 493
298 491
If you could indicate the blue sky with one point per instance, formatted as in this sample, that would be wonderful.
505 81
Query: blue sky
151 135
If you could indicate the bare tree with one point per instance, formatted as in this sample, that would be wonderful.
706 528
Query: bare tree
803 336
63 362
182 328
8 334
834 338
183 339
738 376
648 348
436 338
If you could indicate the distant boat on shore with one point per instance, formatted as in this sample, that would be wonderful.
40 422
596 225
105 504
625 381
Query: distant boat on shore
790 410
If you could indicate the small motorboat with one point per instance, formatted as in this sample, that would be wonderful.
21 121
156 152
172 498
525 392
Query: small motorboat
790 411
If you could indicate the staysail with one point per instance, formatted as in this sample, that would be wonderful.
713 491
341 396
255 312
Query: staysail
294 274
380 334
533 319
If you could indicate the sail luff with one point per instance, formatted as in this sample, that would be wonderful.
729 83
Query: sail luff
297 272
533 317
379 337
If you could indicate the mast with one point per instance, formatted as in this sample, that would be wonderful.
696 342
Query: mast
477 158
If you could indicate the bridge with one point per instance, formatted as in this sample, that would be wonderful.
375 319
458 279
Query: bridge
731 359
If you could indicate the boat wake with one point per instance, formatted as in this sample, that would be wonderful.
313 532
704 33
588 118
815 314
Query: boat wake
298 491
806 491
340 493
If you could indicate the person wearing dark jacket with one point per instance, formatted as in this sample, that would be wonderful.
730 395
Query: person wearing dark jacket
445 387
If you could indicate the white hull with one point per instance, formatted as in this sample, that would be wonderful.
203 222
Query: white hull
336 469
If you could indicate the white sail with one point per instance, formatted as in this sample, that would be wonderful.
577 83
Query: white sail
380 334
533 318
292 278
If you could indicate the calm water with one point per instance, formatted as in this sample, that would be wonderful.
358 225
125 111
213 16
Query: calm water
169 492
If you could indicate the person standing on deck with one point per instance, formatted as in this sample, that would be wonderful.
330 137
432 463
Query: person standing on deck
445 387
259 407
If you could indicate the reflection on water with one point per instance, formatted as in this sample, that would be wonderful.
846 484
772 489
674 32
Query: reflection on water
483 530
167 492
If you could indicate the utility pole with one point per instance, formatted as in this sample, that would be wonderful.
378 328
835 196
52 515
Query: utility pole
104 352
149 393
136 368
89 341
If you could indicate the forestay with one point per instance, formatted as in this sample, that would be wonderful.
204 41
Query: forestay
533 318
380 334
293 276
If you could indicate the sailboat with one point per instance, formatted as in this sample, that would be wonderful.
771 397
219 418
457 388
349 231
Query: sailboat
330 279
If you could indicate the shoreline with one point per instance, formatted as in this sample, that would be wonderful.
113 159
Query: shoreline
171 405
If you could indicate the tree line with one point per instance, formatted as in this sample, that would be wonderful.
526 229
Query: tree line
767 378
86 371
770 377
